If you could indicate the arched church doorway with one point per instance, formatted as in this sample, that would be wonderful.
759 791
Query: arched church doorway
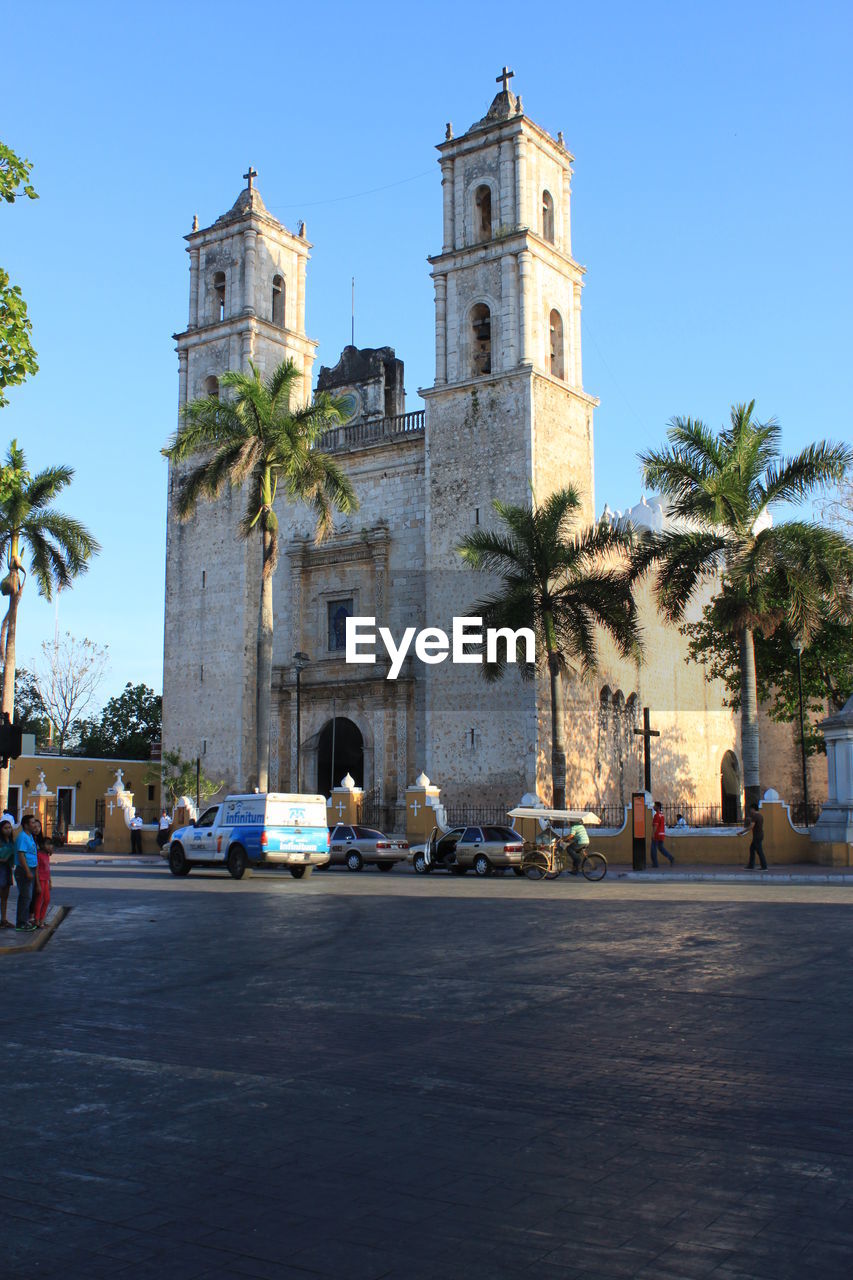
730 787
343 738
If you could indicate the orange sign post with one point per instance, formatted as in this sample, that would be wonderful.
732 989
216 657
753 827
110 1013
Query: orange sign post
638 829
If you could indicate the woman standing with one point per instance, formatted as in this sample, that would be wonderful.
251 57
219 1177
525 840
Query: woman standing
7 867
26 871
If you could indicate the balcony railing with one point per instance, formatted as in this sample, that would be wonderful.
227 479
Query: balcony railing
361 433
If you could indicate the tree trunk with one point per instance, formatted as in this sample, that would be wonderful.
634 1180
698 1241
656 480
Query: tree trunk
264 694
8 693
558 736
749 719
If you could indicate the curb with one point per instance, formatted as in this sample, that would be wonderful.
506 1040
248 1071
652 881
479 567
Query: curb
745 877
40 938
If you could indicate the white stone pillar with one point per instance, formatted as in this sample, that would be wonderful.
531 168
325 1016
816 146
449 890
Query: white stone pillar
301 264
193 320
183 365
576 317
447 184
508 359
525 280
440 329
249 239
247 351
458 209
520 181
507 192
567 211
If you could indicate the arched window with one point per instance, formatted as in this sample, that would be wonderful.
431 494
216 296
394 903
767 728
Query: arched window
557 365
211 387
481 340
278 301
219 296
483 213
548 216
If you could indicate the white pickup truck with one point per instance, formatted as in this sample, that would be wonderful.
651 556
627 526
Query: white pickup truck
254 830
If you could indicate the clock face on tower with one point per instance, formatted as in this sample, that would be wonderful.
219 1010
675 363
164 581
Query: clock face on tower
350 402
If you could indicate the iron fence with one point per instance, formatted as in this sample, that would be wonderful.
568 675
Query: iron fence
803 815
376 814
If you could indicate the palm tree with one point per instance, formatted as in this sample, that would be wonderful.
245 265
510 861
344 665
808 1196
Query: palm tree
256 438
57 547
721 487
562 585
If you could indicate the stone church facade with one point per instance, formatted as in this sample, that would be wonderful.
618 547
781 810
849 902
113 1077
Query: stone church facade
507 410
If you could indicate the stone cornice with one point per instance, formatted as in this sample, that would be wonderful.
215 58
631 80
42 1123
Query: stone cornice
349 549
493 250
238 325
264 223
522 371
503 129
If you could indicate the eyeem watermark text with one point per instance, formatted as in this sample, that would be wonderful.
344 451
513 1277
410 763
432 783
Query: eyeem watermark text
467 644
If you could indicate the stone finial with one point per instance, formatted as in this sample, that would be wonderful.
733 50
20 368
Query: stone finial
519 106
561 141
302 234
771 796
448 131
41 786
422 780
348 782
118 785
195 222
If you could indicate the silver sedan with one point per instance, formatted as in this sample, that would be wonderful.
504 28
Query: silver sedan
356 847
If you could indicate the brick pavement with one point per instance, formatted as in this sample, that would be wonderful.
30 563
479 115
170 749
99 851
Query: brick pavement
378 1076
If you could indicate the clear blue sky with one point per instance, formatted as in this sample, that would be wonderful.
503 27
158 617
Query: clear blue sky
711 206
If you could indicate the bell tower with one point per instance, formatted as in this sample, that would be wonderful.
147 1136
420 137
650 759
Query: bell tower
247 303
507 410
247 297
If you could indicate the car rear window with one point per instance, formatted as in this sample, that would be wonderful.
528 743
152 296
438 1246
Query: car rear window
368 833
502 833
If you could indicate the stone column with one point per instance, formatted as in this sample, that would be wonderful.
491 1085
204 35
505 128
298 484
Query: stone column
525 281
578 371
301 264
193 320
249 238
246 352
402 733
346 801
509 358
567 211
507 192
458 214
520 181
440 329
183 366
447 182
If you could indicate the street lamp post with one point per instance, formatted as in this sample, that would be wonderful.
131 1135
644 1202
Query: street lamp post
300 661
798 646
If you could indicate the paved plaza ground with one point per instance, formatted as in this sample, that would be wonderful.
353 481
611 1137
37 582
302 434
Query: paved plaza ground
362 1076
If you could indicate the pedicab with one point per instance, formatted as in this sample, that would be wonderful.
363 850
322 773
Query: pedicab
548 835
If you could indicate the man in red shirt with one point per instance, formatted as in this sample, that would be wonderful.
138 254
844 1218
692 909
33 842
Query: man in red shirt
658 833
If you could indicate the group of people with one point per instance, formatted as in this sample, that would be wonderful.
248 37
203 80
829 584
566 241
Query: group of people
26 858
754 827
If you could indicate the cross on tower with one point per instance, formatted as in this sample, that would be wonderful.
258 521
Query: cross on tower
504 77
250 176
647 733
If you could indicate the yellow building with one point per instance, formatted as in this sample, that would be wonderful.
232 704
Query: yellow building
76 786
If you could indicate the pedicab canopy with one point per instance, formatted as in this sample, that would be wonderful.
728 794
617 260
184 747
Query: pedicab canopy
557 815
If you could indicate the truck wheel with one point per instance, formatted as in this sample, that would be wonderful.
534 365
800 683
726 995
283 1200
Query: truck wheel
237 861
299 873
178 864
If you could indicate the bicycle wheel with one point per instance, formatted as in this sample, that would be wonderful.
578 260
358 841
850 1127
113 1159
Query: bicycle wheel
536 865
594 866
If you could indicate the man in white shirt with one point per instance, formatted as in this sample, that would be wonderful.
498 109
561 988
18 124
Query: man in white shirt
136 834
163 833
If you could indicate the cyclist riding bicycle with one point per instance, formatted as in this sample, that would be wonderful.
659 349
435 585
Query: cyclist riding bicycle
576 844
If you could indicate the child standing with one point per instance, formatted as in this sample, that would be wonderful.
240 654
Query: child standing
43 896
